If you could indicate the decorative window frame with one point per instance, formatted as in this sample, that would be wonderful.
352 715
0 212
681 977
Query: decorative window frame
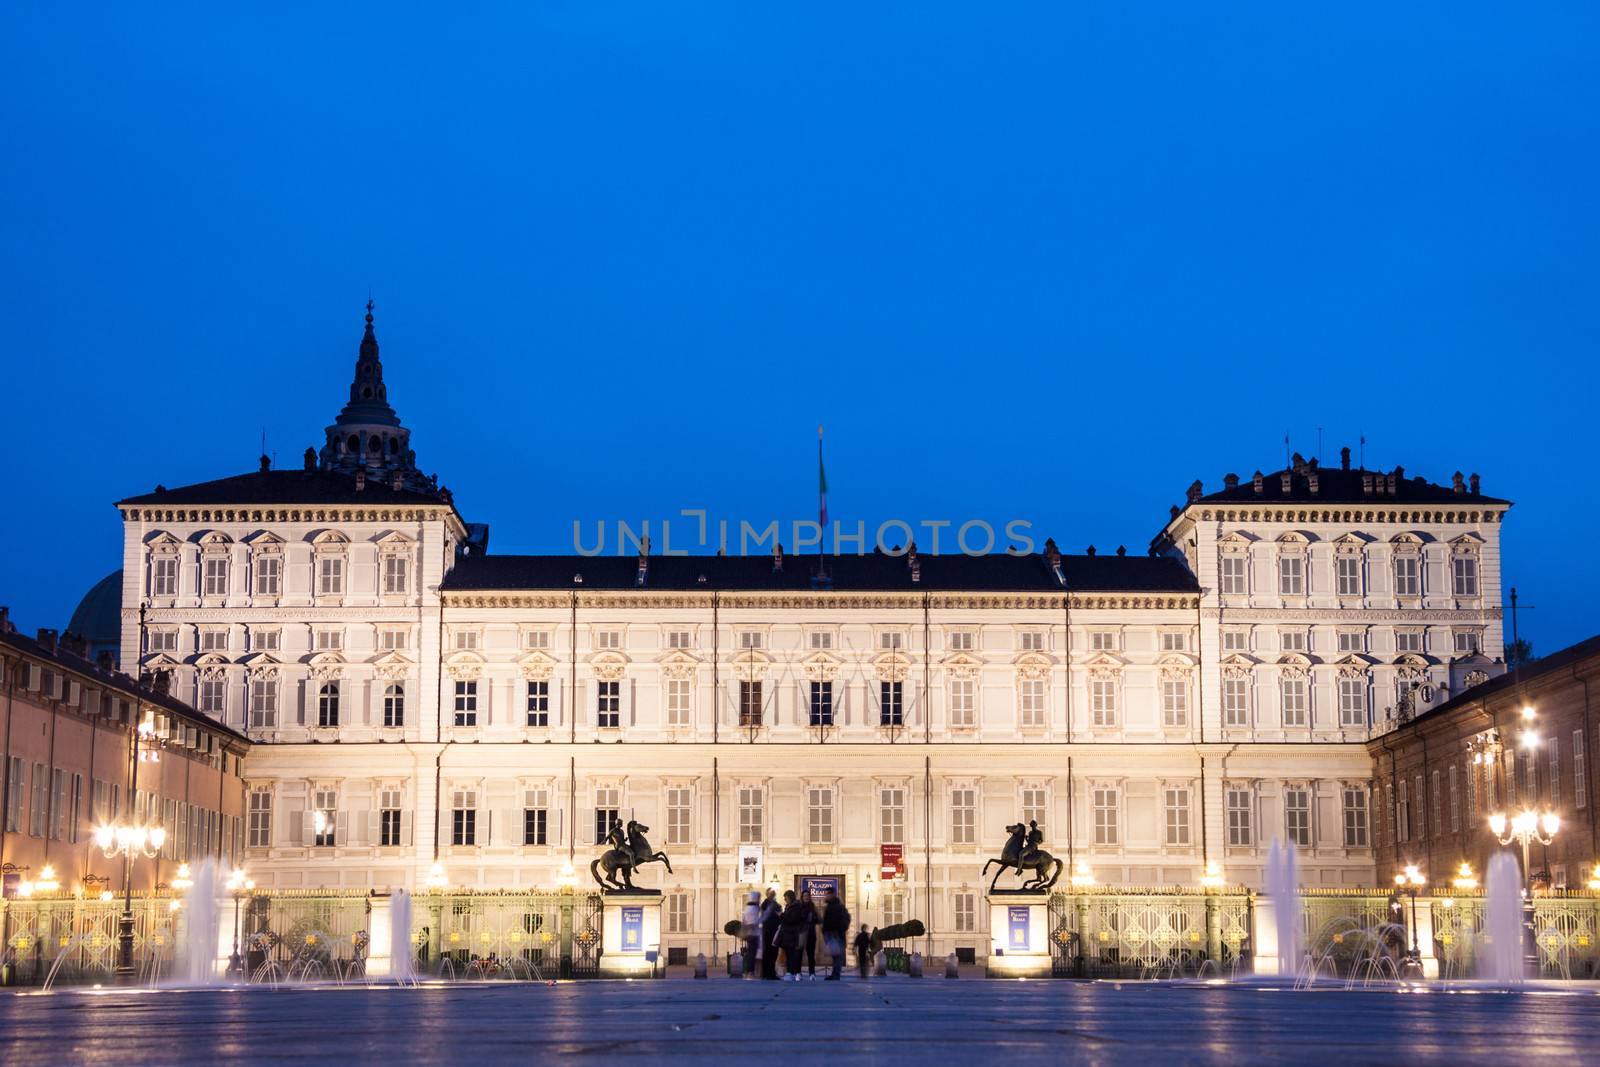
162 545
1467 546
1407 545
215 545
1235 544
1351 546
1292 544
394 545
261 545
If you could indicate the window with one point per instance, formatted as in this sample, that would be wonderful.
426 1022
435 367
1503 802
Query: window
1467 642
749 639
1510 776
607 805
892 820
1352 641
330 575
890 641
821 639
678 701
1580 772
1436 805
1235 700
330 640
1231 577
894 909
269 575
1352 701
1408 641
466 704
164 576
964 907
1294 700
328 704
464 817
1103 701
819 815
58 804
1033 805
1530 770
1407 579
677 913
1236 641
678 639
749 703
1464 575
1355 816
1177 811
1105 815
391 809
963 702
963 817
393 639
891 709
821 704
394 705
1402 819
259 830
324 819
465 640
1347 575
1174 642
1555 771
608 639
215 576
1033 641
162 640
213 696
213 640
1291 576
750 815
963 640
679 799
263 703
1240 803
1297 816
608 705
396 574
538 703
1292 640
1175 701
535 818
1455 800
1032 701
1102 640
266 640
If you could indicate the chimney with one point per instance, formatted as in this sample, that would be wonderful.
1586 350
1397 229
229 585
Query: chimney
311 459
1052 554
1389 488
162 680
1457 483
1195 491
1313 481
1256 482
1176 511
1344 458
777 558
1122 550
396 481
104 661
1230 481
1288 482
361 479
644 561
1366 484
1472 484
1091 551
446 495
266 463
47 638
1297 462
5 620
913 562
1399 474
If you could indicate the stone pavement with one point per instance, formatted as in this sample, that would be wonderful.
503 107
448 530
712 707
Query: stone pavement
884 1020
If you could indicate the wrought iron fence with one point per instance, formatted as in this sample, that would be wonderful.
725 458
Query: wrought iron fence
1142 933
71 939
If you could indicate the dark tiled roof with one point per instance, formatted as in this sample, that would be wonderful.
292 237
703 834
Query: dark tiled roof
1338 486
284 487
125 686
875 572
1555 661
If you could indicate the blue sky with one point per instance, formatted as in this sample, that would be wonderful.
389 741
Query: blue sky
1051 262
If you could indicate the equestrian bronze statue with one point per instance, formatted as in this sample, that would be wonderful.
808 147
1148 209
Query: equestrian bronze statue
625 855
1023 854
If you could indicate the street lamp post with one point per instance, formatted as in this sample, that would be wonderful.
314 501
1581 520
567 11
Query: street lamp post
1526 827
239 887
1410 881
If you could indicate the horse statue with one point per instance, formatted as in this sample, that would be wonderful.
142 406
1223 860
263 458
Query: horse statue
625 854
1023 854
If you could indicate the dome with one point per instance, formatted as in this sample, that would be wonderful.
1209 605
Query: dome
98 618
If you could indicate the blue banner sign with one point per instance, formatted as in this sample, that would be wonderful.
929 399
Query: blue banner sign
1016 928
633 929
819 884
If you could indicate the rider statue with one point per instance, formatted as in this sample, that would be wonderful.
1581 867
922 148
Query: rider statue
625 853
1023 854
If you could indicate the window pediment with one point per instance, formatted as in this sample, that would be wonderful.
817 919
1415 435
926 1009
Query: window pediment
160 661
1178 660
162 541
392 665
891 666
263 540
962 665
1239 661
1413 539
1296 661
393 539
1033 666
1105 661
608 666
821 667
213 541
1467 543
464 666
1236 540
1411 659
537 666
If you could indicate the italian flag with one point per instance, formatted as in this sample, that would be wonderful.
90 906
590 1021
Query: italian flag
822 485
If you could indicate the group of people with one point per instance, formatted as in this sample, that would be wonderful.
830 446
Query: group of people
769 927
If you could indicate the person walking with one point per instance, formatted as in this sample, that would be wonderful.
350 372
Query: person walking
770 911
750 930
835 927
809 941
863 950
791 935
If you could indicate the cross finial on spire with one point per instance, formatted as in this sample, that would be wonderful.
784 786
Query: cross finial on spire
370 306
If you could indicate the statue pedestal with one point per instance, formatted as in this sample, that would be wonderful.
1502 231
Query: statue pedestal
630 936
1019 935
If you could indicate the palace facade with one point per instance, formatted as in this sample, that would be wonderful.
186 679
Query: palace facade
422 708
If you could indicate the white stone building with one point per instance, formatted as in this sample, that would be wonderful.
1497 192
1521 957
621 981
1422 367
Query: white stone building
419 701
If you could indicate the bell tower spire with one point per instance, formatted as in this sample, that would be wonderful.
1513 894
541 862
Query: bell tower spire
367 435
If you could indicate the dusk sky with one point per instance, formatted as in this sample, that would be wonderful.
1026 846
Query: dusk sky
1048 262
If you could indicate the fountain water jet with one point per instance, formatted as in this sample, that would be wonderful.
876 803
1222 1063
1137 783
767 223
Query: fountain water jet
1283 887
202 919
1503 920
401 965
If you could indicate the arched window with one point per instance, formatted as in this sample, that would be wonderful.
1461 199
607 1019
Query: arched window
394 706
328 704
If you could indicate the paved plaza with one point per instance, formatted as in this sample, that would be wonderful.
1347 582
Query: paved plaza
889 1020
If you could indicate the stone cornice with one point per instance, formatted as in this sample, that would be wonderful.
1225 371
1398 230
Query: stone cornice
1351 616
286 513
832 601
